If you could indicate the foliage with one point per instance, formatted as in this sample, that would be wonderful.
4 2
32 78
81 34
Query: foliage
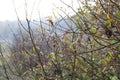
87 48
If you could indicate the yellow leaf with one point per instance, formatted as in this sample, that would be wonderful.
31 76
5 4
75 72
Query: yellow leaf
110 53
108 22
52 55
23 52
74 42
49 63
13 54
93 30
41 78
33 48
107 59
54 14
35 41
108 16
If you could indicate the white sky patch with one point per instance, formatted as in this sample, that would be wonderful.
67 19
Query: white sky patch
6 10
45 7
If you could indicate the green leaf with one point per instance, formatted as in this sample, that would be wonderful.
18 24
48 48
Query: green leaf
114 78
93 30
118 47
107 23
71 44
113 41
74 42
118 14
84 75
118 55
